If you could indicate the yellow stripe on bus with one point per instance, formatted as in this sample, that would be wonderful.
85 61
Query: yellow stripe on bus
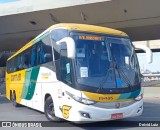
15 82
102 97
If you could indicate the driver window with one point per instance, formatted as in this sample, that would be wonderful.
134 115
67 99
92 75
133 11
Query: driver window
65 66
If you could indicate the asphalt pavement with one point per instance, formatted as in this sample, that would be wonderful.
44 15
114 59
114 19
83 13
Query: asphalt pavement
151 113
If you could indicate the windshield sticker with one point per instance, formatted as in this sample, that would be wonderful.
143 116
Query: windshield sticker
84 71
127 60
68 68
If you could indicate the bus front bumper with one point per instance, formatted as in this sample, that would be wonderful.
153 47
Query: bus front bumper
88 113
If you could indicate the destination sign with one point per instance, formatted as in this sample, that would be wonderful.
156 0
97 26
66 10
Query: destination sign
89 37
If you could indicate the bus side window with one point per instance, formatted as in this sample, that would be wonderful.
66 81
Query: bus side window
27 59
40 54
15 64
33 56
44 50
19 67
11 65
57 35
22 61
42 59
47 49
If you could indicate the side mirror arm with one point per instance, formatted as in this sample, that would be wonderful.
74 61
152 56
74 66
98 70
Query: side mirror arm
148 52
70 46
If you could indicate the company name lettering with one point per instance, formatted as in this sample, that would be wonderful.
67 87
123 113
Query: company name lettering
16 77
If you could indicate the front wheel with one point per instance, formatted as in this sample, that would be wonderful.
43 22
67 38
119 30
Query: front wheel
49 110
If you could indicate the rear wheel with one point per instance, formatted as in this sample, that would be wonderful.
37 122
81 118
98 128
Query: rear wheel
15 104
49 110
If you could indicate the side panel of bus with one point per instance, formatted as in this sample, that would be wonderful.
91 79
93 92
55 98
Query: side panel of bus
34 84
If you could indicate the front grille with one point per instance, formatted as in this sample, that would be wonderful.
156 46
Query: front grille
113 105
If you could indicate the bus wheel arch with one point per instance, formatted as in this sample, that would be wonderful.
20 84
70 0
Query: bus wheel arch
49 109
46 96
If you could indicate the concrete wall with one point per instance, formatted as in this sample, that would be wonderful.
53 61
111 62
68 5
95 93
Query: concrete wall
152 92
22 6
152 44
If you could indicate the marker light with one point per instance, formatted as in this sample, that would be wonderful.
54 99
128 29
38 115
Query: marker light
80 99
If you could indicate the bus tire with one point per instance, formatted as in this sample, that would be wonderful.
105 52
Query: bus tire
49 110
15 104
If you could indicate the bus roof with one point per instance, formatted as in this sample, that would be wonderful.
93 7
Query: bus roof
88 28
73 26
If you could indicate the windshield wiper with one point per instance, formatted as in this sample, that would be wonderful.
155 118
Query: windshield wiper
122 75
100 87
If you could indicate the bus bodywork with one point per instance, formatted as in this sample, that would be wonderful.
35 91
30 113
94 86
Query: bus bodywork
78 73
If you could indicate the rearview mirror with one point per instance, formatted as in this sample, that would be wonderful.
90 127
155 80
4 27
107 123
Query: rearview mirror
70 46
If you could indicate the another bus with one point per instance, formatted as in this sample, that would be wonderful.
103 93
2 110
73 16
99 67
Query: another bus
77 72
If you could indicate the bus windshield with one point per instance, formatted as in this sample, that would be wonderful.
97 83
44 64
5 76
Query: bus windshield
125 61
92 60
105 62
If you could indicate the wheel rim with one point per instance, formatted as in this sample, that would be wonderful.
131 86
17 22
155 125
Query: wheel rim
50 111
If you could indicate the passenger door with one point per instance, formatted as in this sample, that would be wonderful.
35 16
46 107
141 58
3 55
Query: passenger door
66 78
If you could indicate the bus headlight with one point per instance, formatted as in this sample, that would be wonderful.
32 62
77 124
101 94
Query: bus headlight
139 97
80 99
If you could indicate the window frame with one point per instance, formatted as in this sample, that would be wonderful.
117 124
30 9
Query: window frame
10 62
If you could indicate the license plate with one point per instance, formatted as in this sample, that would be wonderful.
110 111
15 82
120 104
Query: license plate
117 116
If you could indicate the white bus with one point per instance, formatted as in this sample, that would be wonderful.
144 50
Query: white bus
77 72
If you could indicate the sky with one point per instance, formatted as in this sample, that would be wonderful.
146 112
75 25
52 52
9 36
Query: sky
154 66
6 1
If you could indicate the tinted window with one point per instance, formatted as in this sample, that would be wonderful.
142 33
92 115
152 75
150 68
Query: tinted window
65 67
57 35
33 56
37 54
44 50
27 61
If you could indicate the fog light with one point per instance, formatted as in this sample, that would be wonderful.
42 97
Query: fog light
139 109
84 114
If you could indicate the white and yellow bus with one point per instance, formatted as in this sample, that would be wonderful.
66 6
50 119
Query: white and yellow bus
77 72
